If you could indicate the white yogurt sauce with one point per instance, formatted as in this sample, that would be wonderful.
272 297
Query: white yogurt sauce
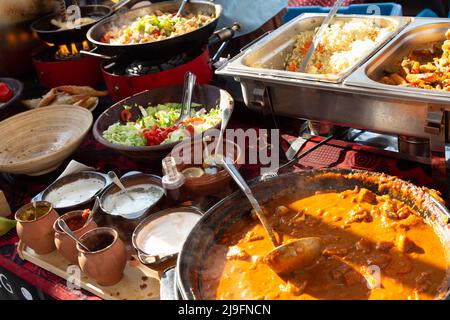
74 192
145 195
166 235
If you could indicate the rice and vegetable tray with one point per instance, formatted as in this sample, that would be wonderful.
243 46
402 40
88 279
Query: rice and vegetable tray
343 44
155 27
158 125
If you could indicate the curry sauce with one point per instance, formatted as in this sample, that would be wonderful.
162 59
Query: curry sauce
373 247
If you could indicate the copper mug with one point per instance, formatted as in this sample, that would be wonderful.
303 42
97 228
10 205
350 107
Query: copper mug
107 257
38 233
64 244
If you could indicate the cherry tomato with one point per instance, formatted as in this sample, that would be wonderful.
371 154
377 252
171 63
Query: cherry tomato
5 92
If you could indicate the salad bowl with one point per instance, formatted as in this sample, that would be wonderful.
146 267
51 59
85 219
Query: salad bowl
207 96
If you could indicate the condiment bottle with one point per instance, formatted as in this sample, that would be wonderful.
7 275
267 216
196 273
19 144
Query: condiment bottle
173 181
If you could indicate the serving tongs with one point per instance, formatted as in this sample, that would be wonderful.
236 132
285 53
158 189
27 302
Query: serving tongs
186 103
291 256
318 36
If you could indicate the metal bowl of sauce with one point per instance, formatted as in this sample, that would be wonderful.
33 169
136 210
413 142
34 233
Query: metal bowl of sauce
145 189
160 237
76 190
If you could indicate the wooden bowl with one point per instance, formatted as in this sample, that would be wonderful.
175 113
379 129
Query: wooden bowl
206 95
37 142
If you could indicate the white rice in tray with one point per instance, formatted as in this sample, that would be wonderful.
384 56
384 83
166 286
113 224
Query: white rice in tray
343 44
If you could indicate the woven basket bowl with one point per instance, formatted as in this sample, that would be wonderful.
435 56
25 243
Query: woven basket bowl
37 142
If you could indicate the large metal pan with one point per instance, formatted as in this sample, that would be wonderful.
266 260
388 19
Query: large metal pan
221 218
167 47
51 34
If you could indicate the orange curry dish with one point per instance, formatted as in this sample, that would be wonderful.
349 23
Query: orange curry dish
373 247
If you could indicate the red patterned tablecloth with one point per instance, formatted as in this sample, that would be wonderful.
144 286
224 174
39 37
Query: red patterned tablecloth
322 3
19 191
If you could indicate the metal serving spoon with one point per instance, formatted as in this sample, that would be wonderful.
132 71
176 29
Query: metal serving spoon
93 211
64 227
186 103
118 183
289 257
180 10
226 114
318 36
234 173
216 158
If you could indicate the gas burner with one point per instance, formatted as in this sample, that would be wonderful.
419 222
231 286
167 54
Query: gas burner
126 76
71 51
139 66
64 65
65 52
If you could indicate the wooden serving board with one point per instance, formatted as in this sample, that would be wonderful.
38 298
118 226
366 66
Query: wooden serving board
138 283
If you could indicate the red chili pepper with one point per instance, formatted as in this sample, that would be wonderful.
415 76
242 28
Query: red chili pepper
125 115
5 92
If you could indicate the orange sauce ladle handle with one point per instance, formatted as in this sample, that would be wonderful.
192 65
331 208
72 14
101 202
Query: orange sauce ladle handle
234 173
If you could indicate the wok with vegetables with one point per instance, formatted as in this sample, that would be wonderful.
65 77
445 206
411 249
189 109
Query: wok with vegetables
155 27
157 125
153 31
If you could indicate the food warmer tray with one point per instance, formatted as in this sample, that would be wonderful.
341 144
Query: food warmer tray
371 107
368 106
268 56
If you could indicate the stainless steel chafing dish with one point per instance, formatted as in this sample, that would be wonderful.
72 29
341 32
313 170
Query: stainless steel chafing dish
268 56
358 101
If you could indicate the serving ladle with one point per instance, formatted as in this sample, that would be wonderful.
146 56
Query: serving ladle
292 256
318 36
216 158
117 182
180 10
64 227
